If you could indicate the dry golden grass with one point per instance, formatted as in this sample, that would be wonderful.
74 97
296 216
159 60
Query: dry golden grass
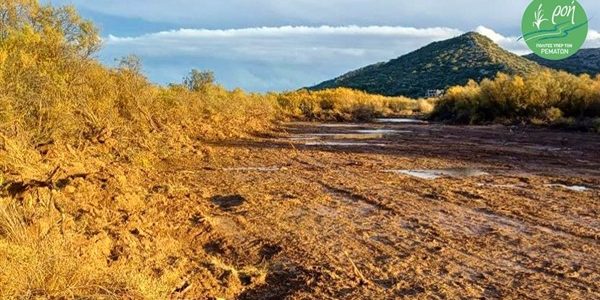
78 142
45 259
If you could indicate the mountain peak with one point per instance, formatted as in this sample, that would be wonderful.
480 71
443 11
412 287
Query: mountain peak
438 65
478 38
474 35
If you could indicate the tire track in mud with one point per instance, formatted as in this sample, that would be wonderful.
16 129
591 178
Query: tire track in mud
498 264
355 197
333 214
524 222
489 217
386 215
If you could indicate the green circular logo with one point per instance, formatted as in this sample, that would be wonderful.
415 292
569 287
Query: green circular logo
555 29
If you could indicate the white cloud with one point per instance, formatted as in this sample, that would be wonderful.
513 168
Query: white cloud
509 43
287 44
593 39
286 31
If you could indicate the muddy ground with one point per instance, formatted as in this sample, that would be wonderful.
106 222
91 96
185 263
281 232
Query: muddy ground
354 211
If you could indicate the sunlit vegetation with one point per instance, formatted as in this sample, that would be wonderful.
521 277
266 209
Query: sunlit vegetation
544 98
348 105
78 141
64 117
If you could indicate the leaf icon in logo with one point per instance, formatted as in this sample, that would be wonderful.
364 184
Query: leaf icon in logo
539 17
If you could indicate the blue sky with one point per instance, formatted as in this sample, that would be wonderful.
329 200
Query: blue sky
273 45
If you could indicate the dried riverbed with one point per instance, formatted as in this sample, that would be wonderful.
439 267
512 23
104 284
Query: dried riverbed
402 209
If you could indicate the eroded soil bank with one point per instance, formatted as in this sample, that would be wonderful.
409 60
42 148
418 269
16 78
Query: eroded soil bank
336 212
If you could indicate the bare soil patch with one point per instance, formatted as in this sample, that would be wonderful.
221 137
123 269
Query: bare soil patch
331 223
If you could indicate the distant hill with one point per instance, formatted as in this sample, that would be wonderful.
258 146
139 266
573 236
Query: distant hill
586 61
436 66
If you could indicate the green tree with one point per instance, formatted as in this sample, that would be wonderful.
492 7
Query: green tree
131 63
198 80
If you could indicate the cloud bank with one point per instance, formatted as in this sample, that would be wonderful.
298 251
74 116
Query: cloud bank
504 16
282 45
286 57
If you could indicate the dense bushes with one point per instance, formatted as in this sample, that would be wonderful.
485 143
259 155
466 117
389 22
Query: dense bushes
52 93
347 105
551 98
64 116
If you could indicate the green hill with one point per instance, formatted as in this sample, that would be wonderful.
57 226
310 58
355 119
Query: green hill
586 61
436 66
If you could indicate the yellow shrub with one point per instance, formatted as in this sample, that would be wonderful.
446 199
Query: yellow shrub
344 104
542 97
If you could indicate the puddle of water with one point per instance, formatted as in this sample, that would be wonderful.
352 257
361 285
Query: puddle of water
348 136
430 175
342 144
544 148
400 120
451 136
351 136
435 174
340 125
303 137
382 131
339 136
574 188
258 169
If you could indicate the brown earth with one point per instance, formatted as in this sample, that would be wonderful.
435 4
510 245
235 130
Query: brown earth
326 221
327 211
